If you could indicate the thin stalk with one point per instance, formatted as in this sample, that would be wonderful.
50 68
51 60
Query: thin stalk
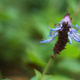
47 66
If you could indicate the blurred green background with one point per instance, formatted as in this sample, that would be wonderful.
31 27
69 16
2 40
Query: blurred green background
23 24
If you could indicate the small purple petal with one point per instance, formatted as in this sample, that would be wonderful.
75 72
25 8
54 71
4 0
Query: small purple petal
72 30
61 29
78 40
77 27
77 33
49 35
73 26
55 29
74 36
46 41
52 34
49 40
70 40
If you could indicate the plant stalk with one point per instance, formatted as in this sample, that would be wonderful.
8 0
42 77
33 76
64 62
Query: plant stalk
47 66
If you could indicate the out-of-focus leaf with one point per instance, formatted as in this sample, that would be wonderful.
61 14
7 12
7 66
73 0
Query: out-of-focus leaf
41 26
33 57
60 77
72 4
70 51
39 76
70 65
34 78
53 77
47 77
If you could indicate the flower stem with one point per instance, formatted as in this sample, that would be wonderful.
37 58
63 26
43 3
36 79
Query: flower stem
47 66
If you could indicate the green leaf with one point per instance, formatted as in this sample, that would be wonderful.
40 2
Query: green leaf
47 77
70 65
70 51
60 77
38 74
34 78
72 4
34 57
37 77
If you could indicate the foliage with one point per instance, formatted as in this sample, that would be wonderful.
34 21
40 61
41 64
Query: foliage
48 77
23 23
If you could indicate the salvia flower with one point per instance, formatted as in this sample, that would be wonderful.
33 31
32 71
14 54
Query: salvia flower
65 34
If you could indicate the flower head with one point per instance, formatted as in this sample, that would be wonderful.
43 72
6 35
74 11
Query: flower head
65 33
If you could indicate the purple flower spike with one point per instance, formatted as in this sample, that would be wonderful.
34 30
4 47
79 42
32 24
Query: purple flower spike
67 19
64 32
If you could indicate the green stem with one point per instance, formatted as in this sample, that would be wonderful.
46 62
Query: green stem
47 67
